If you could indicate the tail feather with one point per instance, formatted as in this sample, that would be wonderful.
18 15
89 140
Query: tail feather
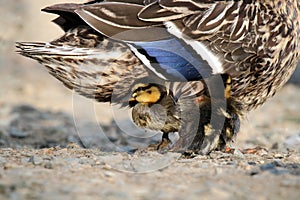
97 73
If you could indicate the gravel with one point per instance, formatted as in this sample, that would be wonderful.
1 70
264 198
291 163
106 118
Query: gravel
57 145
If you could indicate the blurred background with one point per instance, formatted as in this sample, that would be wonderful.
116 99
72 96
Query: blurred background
37 110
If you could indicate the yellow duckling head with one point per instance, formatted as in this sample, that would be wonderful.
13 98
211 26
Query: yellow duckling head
145 94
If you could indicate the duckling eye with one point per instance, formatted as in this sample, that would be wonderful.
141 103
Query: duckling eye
139 89
149 91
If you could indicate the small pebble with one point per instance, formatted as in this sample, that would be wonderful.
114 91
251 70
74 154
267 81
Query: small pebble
14 132
261 161
106 166
48 165
35 160
251 163
98 162
278 155
267 166
109 174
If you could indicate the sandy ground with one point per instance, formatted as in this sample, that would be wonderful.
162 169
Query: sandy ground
44 128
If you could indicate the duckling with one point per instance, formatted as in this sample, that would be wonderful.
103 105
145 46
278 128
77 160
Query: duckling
153 107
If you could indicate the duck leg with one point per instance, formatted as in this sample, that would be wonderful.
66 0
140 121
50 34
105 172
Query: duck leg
214 123
165 143
189 129
163 146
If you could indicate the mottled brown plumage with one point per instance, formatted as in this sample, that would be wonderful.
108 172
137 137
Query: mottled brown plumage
257 41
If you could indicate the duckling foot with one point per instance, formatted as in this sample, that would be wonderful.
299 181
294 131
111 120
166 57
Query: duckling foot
229 150
162 147
257 151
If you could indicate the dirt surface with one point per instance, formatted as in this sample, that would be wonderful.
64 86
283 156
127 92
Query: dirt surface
55 144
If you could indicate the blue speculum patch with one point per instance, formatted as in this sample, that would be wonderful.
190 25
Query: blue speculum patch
175 60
